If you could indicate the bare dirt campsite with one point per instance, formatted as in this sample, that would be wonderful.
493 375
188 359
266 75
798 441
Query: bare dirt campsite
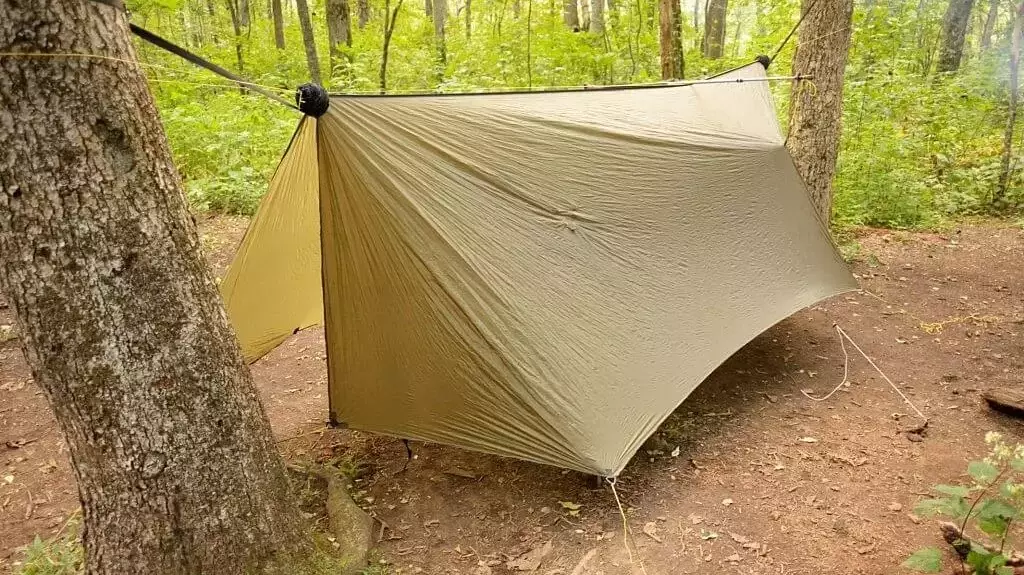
748 476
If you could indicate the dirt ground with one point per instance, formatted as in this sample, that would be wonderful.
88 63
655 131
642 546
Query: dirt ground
765 481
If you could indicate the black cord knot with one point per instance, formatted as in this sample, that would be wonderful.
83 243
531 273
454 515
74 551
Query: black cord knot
312 100
764 61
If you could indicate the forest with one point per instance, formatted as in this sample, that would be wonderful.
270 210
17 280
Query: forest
392 341
925 105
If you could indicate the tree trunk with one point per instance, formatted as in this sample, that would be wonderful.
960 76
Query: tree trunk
308 40
469 19
428 8
120 318
571 15
714 28
597 16
666 33
999 198
275 7
389 29
990 25
696 23
679 66
364 13
815 115
339 36
585 14
954 30
236 25
440 14
243 13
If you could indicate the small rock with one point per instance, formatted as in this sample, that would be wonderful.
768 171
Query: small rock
895 507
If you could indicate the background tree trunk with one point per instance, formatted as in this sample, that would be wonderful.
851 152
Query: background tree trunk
339 36
815 115
696 22
597 16
440 15
954 31
236 25
275 8
389 29
714 28
428 8
571 15
999 198
364 13
469 19
120 319
308 40
666 30
679 66
990 25
243 13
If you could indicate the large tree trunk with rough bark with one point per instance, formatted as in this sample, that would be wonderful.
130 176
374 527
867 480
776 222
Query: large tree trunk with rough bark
308 40
275 8
815 115
714 28
990 25
999 198
120 318
954 31
571 15
339 36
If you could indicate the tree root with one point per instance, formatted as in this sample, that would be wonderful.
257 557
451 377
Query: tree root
350 526
962 545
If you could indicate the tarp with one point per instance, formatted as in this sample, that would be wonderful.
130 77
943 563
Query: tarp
543 276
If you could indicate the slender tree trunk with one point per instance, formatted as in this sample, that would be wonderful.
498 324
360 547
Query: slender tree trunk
666 36
275 7
815 115
120 318
469 19
237 27
585 14
679 65
339 36
428 8
597 16
714 28
571 15
211 7
999 198
954 31
696 23
440 14
308 40
990 25
243 13
364 13
389 29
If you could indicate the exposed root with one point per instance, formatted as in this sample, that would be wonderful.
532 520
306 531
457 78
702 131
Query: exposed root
350 526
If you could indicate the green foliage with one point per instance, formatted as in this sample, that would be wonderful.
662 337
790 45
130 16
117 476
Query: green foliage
61 555
991 503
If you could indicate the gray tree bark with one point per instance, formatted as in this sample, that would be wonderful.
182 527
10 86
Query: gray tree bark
597 16
339 35
954 32
364 13
571 15
714 28
440 16
308 40
990 25
999 198
815 116
236 25
275 8
243 13
120 318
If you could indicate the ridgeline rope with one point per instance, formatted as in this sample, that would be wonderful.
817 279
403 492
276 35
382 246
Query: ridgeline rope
803 16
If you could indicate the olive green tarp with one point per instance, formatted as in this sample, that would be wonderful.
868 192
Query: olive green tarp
544 276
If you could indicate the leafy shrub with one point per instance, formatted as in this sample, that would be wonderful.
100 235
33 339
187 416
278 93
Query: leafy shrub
990 504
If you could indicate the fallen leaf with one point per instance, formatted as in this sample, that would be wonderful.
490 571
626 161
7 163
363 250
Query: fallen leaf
752 545
651 530
675 452
734 558
738 538
531 560
808 440
895 507
727 502
572 508
431 522
695 519
8 479
708 535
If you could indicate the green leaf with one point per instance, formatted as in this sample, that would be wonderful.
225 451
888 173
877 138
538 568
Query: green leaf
927 560
953 490
983 472
994 517
981 560
1004 571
